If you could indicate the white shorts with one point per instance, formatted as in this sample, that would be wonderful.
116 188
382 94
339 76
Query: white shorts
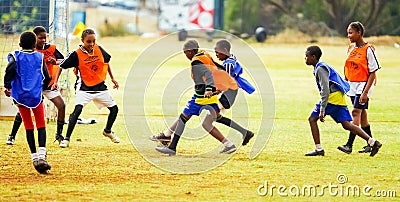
50 94
101 99
356 88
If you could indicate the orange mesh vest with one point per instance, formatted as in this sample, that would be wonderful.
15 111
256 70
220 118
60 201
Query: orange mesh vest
222 80
356 66
92 67
49 52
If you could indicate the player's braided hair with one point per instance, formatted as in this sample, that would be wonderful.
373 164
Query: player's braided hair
87 32
358 27
39 29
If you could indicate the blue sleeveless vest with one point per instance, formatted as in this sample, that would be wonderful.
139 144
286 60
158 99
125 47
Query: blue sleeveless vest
242 82
27 84
333 77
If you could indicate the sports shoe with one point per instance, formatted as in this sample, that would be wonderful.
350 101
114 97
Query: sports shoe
166 150
375 148
36 164
345 148
316 153
64 143
228 150
247 138
10 140
59 138
114 138
43 166
160 137
365 149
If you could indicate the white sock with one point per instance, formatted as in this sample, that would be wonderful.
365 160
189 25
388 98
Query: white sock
371 141
42 152
227 143
222 110
318 147
34 156
168 132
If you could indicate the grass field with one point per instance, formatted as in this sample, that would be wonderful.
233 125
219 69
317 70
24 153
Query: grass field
95 169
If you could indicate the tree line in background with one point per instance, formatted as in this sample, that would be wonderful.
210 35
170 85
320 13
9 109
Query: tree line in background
313 17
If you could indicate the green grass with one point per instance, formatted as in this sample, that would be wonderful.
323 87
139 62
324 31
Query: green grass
94 169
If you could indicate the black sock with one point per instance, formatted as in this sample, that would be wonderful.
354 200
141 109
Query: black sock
351 139
30 137
367 129
73 118
16 125
111 118
178 132
174 142
60 126
42 136
230 123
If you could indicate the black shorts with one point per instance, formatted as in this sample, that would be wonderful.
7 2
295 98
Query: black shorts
228 98
355 100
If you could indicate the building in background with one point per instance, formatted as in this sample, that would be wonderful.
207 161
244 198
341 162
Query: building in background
190 14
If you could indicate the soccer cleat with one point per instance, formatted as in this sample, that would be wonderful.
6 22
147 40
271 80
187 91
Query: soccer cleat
247 138
64 143
166 150
228 150
113 137
36 164
160 137
10 140
345 148
316 153
59 138
375 148
42 166
365 149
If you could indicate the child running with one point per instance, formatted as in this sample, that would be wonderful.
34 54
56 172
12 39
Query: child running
25 76
234 69
52 58
333 102
92 64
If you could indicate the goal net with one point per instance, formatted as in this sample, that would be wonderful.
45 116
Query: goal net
17 16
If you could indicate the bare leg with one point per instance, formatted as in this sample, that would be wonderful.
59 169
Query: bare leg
217 134
59 103
356 114
364 118
314 129
355 129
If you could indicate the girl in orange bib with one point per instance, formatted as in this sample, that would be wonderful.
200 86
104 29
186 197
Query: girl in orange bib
91 62
360 71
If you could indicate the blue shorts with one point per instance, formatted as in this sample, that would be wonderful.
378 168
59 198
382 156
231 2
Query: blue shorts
193 108
355 100
337 112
